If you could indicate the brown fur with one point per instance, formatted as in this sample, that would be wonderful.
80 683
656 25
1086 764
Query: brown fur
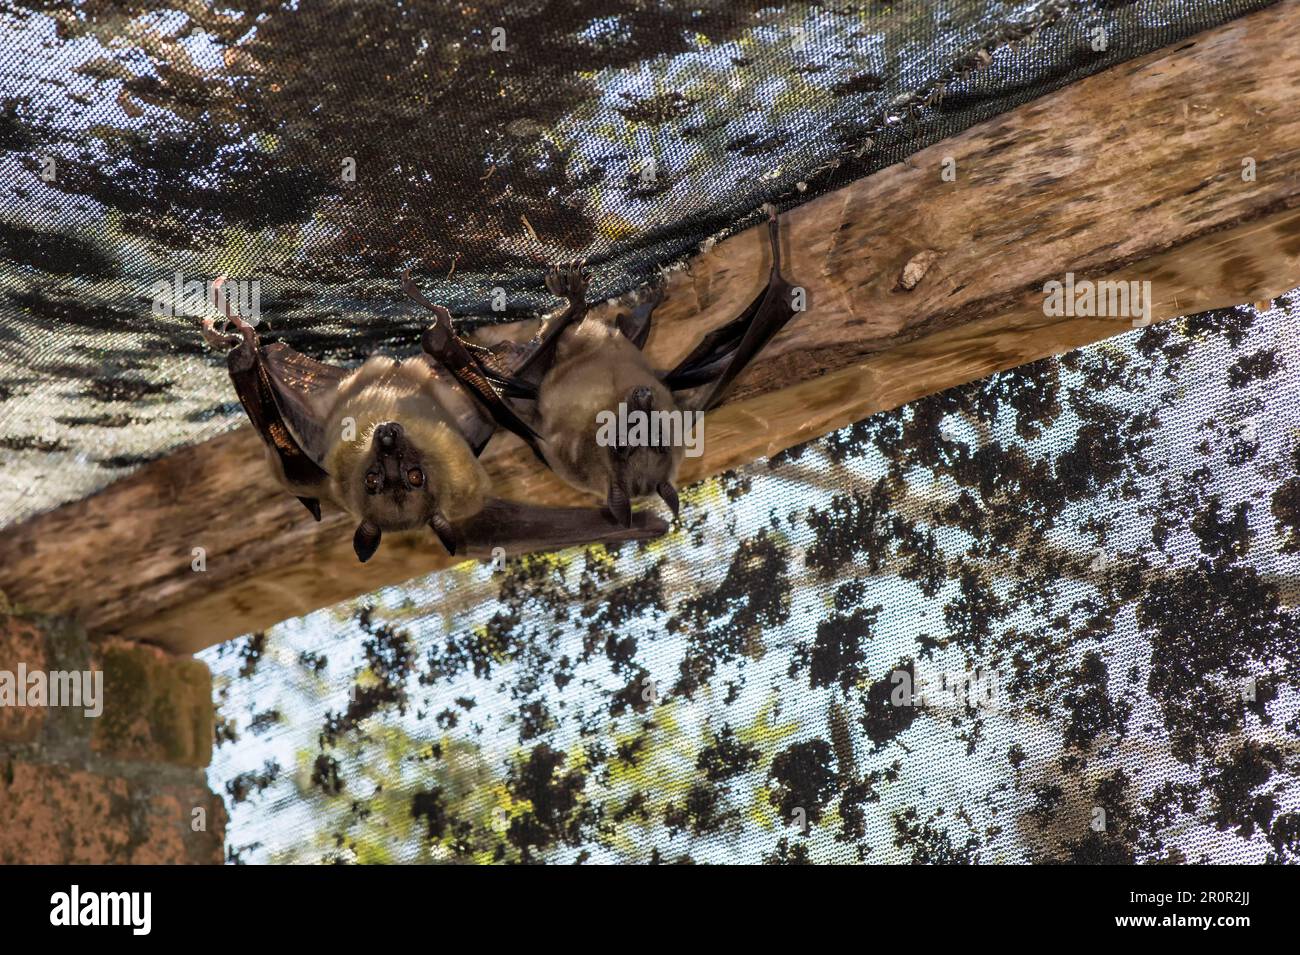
382 390
595 368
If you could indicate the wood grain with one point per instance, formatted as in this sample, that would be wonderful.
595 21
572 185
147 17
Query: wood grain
914 285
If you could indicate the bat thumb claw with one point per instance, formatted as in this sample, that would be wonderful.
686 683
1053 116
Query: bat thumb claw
623 518
313 505
366 540
669 495
446 535
619 505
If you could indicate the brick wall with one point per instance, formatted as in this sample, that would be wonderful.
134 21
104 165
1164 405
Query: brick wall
124 787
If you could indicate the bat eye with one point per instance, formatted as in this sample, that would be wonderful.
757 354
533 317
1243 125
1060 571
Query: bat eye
415 477
374 482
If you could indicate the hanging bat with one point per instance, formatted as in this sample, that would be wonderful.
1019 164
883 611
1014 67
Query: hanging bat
396 444
578 370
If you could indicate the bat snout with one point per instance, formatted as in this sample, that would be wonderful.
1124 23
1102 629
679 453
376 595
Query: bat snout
388 437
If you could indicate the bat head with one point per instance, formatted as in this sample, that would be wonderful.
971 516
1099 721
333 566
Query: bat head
637 469
612 428
399 482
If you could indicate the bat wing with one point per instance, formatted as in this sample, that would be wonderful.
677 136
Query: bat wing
516 371
522 370
635 322
523 528
283 393
718 359
725 352
473 371
304 391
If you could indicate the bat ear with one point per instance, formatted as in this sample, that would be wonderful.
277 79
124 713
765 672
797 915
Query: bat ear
366 540
442 527
669 494
618 503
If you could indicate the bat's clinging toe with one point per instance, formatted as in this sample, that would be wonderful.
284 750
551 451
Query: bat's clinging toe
568 281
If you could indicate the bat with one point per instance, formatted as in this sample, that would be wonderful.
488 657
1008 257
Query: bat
579 371
396 444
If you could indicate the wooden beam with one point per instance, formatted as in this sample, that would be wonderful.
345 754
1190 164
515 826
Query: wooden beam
1133 174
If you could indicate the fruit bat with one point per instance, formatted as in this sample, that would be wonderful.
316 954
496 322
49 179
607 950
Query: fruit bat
396 444
579 367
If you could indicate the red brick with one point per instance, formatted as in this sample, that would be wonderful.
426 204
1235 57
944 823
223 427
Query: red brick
50 815
169 836
21 642
157 706
53 815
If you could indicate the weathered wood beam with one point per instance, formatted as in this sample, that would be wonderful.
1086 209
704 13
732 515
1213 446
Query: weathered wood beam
1134 174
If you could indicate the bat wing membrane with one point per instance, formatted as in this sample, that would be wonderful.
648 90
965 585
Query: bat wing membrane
277 393
304 392
524 528
716 361
471 369
725 352
472 420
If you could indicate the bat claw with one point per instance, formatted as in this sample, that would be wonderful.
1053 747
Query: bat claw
312 504
568 280
218 339
668 493
225 338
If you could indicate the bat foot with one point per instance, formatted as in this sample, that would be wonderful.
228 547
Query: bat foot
441 317
635 323
218 338
568 280
235 329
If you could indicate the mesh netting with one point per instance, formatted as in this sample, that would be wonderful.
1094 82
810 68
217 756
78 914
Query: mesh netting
1108 543
318 148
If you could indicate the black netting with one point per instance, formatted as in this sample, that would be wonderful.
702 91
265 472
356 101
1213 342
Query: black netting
318 148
